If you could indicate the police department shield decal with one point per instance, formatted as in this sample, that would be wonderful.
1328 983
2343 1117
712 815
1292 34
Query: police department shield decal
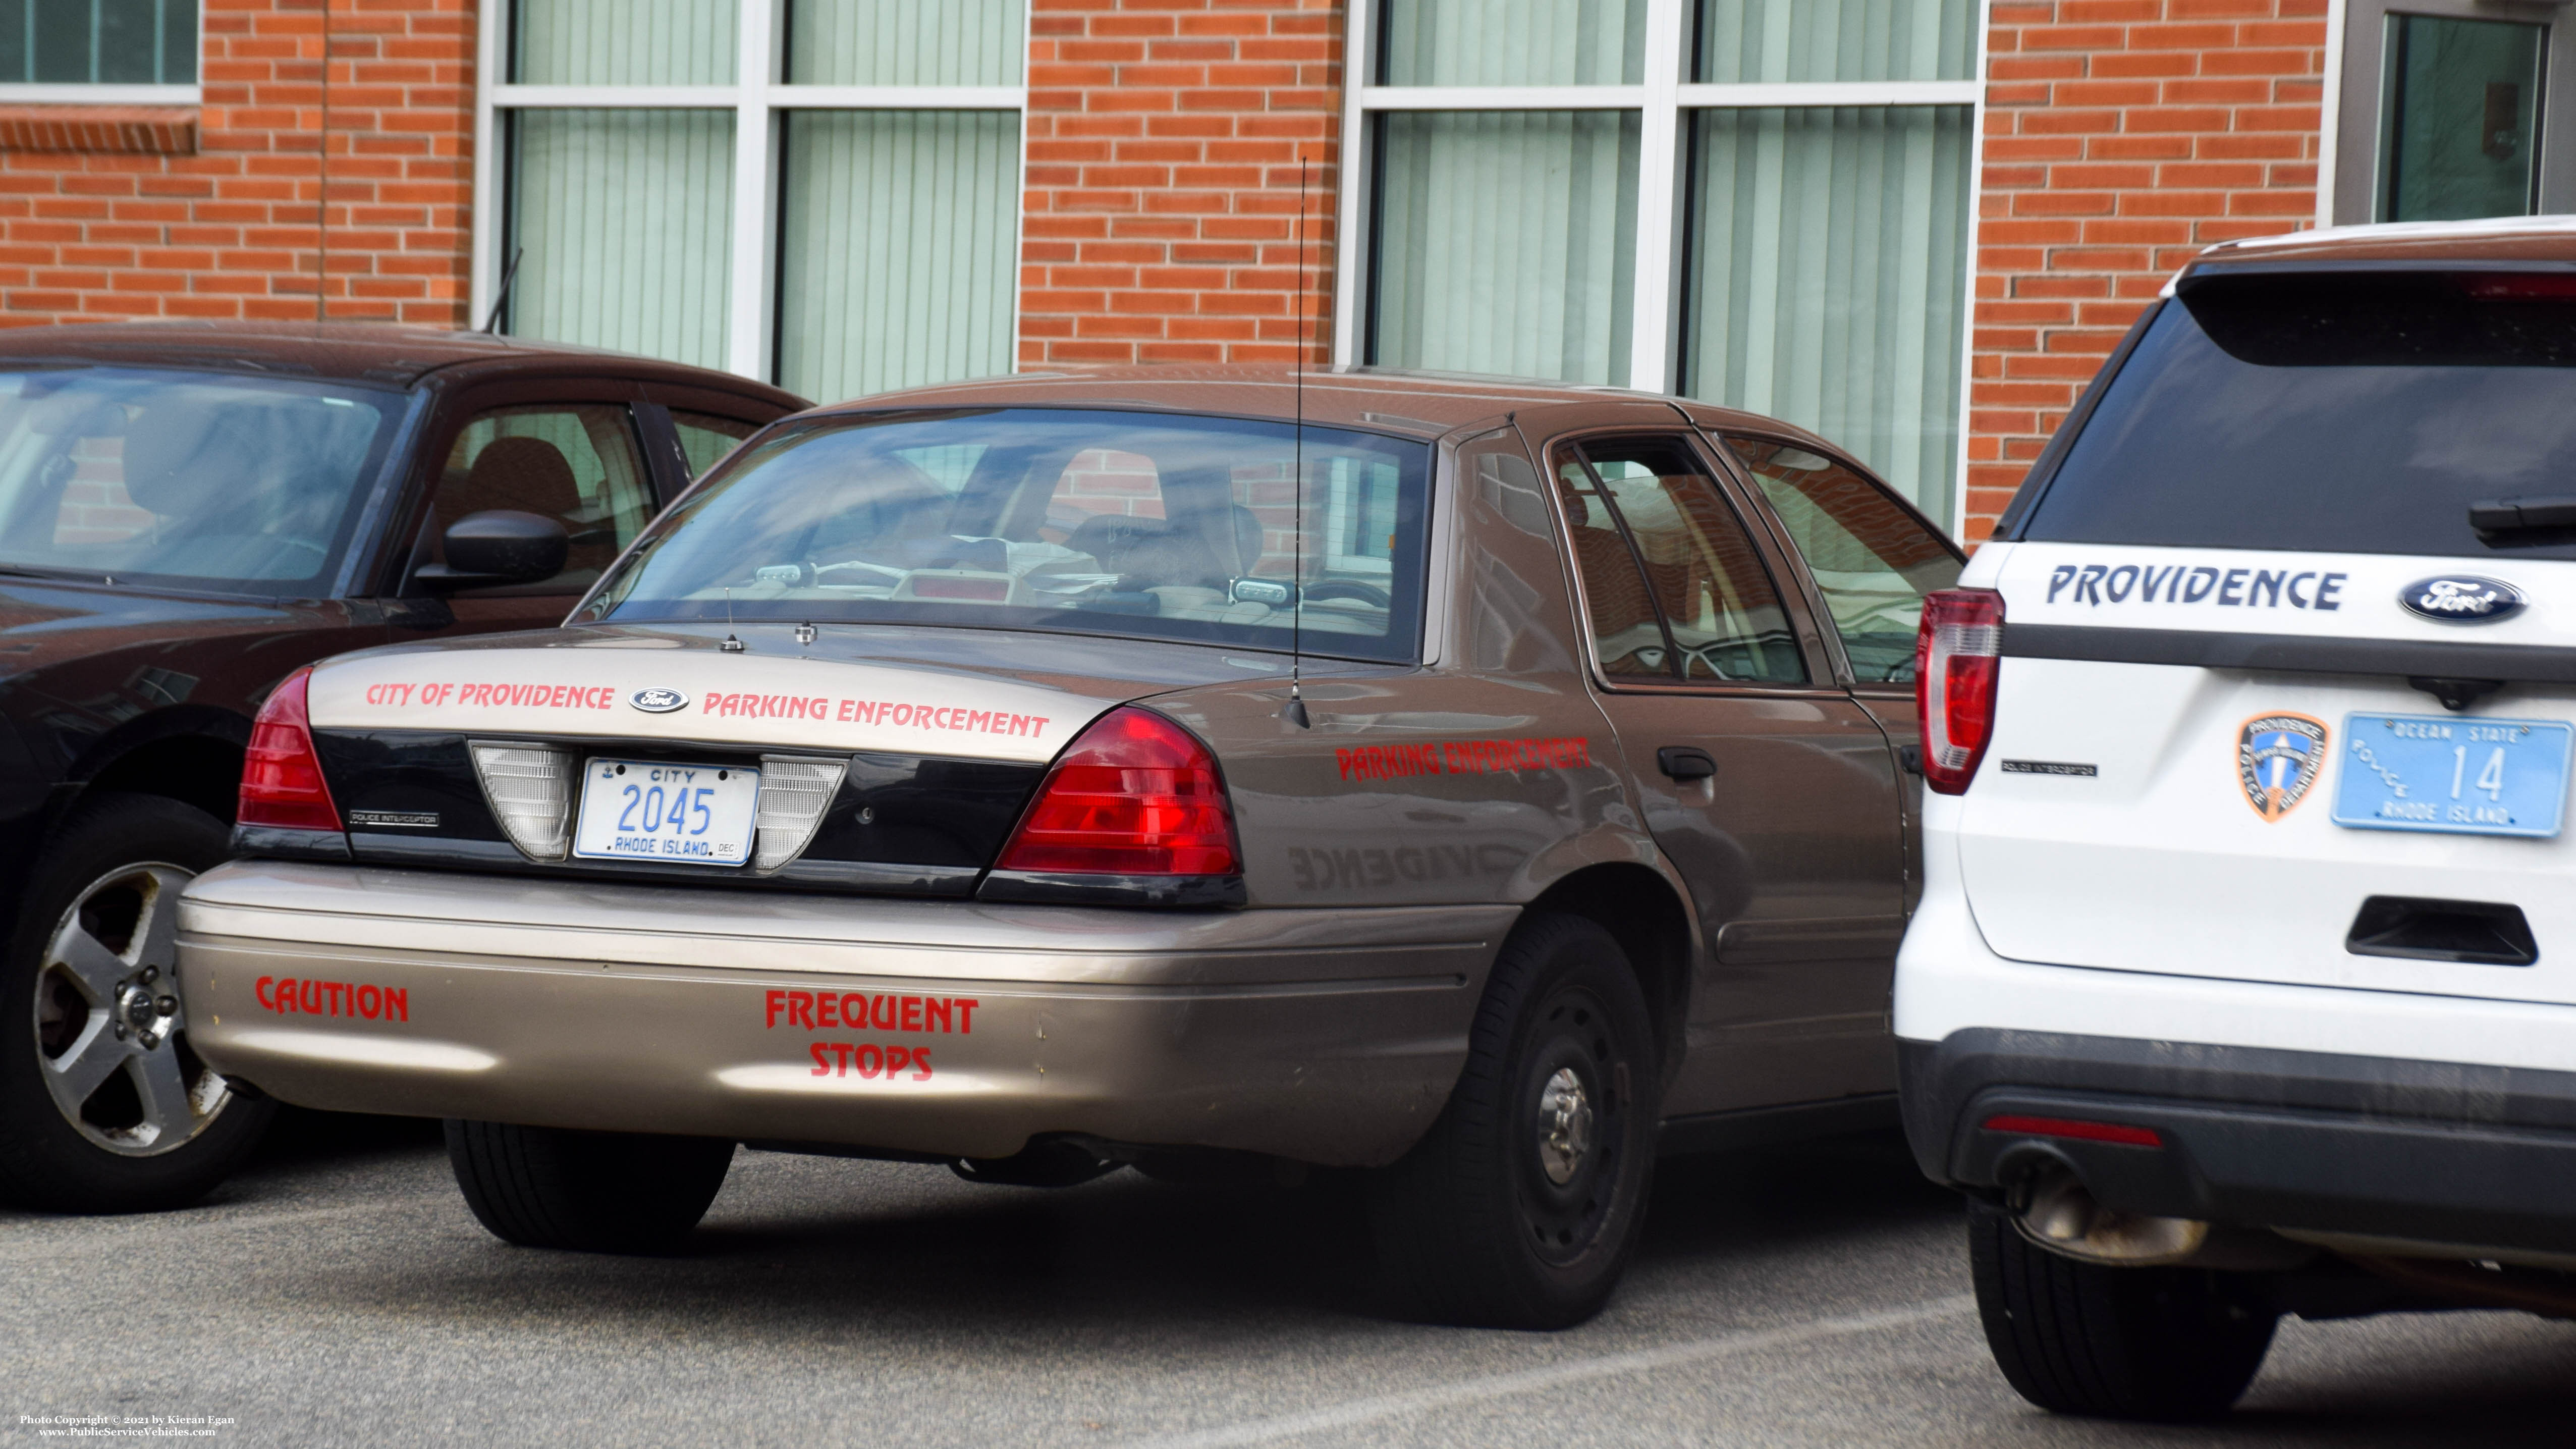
2278 757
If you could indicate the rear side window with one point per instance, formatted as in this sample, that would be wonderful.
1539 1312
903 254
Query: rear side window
2351 412
1871 559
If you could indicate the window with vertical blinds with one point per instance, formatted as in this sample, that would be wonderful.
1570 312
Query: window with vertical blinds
897 247
881 231
1812 264
1507 242
620 226
1827 278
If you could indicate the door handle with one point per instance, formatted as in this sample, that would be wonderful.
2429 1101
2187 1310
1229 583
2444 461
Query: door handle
1686 762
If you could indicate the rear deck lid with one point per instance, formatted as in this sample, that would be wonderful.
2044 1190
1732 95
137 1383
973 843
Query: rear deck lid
2307 510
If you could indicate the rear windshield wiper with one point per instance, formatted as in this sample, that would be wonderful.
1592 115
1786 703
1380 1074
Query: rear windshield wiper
2522 522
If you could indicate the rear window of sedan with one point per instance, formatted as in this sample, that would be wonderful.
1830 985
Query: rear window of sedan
1148 525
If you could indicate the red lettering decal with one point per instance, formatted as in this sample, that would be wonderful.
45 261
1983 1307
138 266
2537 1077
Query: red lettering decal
370 1002
398 1003
921 1064
1342 762
310 997
1038 725
259 989
843 713
775 1002
854 1010
966 1015
285 995
897 1058
978 721
800 1009
827 1010
903 714
818 708
841 1058
937 1007
882 1013
871 1062
912 1013
822 1068
336 990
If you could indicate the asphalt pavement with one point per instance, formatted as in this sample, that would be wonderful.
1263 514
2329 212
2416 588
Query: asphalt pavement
340 1293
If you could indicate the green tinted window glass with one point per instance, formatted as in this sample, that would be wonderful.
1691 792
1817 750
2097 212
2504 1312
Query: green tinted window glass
98 42
1871 560
1513 43
705 438
1507 242
2459 101
624 42
1752 41
906 42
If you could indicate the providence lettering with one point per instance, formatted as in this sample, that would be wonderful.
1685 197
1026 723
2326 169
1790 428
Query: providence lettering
2244 588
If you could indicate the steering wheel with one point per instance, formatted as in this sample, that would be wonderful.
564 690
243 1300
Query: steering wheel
1369 594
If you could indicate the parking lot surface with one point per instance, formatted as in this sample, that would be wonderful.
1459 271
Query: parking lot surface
340 1293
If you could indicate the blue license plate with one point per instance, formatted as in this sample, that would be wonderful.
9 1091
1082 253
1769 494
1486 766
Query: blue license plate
2453 774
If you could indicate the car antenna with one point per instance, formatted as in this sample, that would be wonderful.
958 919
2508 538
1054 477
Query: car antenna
731 644
1294 711
501 294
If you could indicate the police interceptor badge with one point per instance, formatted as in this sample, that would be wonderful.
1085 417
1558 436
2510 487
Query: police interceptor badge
658 701
2278 757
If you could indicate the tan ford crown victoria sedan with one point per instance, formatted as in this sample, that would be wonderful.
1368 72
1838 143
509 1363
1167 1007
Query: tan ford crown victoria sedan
1482 784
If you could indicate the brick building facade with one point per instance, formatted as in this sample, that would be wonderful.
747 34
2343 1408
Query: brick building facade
1068 182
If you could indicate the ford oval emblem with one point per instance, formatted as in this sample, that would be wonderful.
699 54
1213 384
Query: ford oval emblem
658 701
2462 599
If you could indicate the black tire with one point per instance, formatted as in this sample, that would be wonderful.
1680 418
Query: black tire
2164 1344
159 1129
591 1192
1471 1227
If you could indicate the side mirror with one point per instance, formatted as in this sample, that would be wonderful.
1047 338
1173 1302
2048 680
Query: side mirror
499 546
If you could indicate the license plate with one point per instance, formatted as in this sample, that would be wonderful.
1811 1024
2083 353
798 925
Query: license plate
2454 775
656 810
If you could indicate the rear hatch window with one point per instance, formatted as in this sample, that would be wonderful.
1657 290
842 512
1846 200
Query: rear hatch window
2354 412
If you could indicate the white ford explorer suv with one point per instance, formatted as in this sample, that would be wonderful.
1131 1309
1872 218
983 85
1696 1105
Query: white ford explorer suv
2244 980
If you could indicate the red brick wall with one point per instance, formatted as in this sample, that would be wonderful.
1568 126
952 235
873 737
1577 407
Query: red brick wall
232 230
2121 137
1161 206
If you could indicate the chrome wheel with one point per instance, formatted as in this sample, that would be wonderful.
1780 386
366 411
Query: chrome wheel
111 1024
1564 1126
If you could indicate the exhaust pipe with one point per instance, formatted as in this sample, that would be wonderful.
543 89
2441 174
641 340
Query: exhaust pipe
2058 1213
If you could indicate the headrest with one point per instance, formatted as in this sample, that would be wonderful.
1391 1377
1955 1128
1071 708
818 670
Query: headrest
529 474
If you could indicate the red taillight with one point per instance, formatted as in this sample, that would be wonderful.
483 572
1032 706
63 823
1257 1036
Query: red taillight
281 780
2079 1131
1957 657
1135 795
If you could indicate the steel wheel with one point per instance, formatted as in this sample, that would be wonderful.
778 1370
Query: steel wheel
111 1024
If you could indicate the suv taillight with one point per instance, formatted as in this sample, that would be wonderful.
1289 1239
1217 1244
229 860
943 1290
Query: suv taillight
1957 656
281 781
1135 794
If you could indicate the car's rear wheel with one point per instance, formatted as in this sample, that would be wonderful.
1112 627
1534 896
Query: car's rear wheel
104 1106
1520 1207
592 1192
2113 1343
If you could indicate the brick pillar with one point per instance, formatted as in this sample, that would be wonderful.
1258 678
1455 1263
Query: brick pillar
2122 136
213 212
1159 222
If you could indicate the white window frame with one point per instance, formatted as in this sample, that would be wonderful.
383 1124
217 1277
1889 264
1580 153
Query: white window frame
1664 103
110 93
759 109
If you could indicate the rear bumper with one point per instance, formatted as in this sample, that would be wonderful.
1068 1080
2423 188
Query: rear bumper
2370 1146
944 1027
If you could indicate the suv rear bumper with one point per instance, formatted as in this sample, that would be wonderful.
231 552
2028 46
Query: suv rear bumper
2369 1146
1330 1036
